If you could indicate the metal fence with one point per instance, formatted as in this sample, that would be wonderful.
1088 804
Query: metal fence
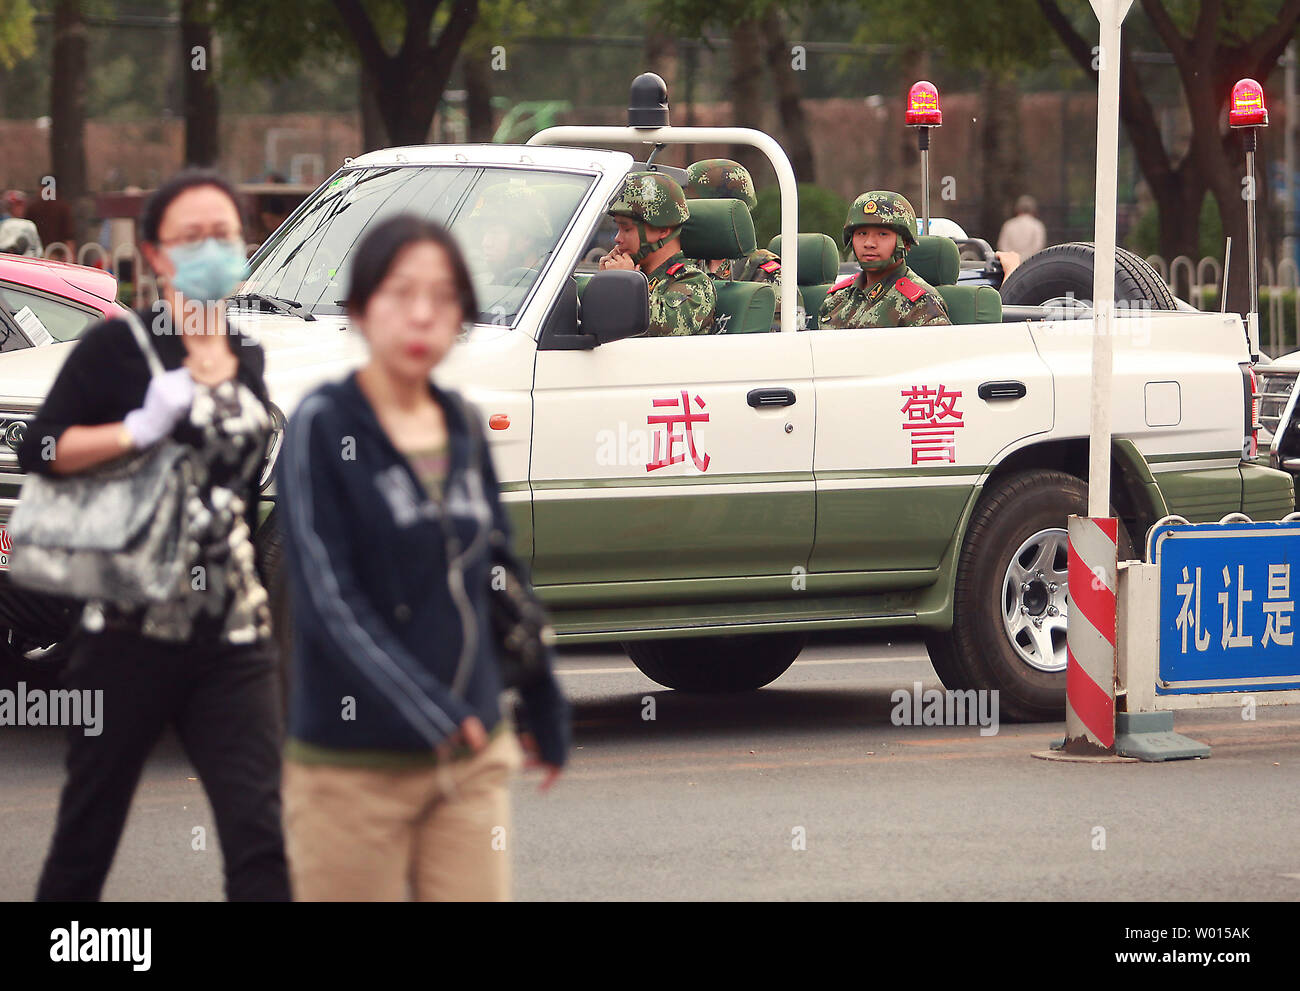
1201 285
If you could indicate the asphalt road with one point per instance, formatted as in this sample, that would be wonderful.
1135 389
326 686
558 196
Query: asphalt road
713 798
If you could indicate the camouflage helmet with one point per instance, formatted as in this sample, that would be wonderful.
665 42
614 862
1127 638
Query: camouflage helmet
883 209
721 178
513 204
652 198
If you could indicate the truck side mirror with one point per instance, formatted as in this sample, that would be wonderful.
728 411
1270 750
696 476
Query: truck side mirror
615 304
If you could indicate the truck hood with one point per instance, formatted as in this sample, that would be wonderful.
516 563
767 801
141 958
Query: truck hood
300 355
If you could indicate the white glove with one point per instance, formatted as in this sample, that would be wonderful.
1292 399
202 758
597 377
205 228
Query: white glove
167 400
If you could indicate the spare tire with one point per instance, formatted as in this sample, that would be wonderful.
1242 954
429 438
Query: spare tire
1066 270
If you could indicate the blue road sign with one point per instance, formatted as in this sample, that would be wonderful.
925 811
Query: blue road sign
1227 607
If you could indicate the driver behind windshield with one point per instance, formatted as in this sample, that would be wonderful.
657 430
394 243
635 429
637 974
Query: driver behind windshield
508 234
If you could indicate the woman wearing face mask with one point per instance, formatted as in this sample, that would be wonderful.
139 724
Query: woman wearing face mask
202 662
398 757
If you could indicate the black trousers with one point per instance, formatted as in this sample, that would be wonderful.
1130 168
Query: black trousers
224 701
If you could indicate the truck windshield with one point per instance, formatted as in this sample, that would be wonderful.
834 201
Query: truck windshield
507 222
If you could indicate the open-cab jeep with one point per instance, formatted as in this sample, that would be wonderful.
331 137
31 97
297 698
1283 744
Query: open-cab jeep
712 502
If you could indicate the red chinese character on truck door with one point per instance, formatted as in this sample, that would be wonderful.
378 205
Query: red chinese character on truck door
932 419
670 421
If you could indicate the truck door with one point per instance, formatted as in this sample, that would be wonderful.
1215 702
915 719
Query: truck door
673 458
908 419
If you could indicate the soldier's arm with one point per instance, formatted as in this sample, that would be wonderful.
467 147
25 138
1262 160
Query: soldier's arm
703 302
926 313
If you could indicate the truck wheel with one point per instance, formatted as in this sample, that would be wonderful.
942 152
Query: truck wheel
1011 598
1066 270
269 548
739 663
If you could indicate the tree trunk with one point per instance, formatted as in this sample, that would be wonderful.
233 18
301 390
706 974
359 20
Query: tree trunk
1178 206
407 86
1001 172
794 124
476 67
199 84
374 132
745 84
68 104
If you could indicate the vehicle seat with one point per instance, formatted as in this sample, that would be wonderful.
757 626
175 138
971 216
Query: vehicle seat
819 266
938 261
724 229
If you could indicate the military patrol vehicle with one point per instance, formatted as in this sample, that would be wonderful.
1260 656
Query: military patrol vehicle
712 502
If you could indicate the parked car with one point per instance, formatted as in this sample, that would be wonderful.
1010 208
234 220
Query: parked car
42 302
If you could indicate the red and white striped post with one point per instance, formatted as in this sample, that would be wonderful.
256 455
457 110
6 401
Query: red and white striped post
1091 627
1091 636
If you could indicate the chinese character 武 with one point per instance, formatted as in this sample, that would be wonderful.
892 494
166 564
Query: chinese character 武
664 453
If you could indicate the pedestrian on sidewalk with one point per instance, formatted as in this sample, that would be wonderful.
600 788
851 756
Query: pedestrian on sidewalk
202 662
398 759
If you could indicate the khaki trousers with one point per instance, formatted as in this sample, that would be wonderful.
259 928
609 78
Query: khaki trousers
431 834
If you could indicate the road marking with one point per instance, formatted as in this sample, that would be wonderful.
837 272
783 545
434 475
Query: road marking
911 658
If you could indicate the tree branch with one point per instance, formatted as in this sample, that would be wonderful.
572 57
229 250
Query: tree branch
371 49
1206 31
1263 52
463 16
419 19
1074 42
1168 30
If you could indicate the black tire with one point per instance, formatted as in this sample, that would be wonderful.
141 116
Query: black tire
1066 270
269 548
739 663
978 652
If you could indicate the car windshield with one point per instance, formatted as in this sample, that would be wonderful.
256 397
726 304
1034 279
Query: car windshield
507 222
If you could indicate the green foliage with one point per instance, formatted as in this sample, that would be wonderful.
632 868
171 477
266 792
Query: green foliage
1005 35
17 37
1144 238
819 210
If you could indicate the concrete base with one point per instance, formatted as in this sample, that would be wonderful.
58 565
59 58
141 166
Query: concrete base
1150 736
1061 755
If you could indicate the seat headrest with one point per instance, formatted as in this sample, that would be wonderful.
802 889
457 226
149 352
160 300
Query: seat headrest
718 229
936 260
819 258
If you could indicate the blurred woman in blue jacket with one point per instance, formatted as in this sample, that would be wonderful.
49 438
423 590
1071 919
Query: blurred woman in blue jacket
398 759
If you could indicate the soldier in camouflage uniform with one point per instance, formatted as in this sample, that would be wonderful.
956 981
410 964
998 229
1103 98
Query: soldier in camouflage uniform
507 233
881 229
721 178
681 296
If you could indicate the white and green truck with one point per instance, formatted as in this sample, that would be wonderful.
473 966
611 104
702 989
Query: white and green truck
712 503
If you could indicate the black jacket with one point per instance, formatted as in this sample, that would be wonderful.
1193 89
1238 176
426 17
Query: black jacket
390 609
106 376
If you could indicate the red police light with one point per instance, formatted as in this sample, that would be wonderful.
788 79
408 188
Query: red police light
1247 106
923 106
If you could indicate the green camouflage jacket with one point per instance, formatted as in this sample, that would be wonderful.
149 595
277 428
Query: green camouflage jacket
759 265
681 299
903 299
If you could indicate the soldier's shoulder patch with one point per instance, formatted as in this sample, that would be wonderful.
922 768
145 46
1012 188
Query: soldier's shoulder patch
909 289
771 266
676 268
844 283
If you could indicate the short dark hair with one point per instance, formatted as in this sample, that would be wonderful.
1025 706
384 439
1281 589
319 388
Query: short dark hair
375 254
160 199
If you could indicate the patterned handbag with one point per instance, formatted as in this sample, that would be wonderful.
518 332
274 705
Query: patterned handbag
114 533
